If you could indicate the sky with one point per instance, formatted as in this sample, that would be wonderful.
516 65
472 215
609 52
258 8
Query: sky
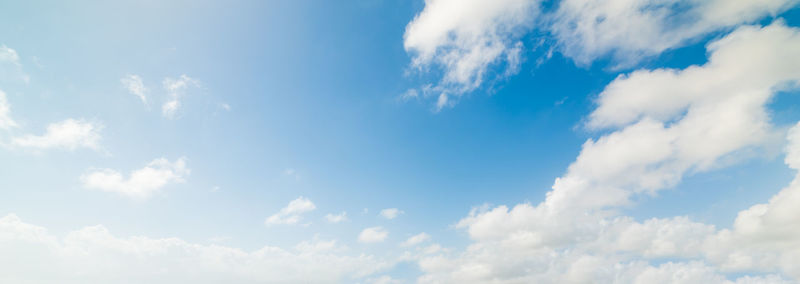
373 141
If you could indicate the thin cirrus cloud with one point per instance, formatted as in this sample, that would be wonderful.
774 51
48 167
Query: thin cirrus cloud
141 183
292 213
373 235
701 114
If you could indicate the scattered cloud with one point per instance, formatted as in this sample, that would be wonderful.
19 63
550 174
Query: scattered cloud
69 134
94 255
176 89
338 218
416 239
141 183
391 213
373 235
292 213
135 86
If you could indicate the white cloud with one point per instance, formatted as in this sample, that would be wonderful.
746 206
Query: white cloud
29 254
338 218
141 183
373 235
176 88
632 30
678 121
701 118
391 213
5 113
10 67
134 85
68 134
416 239
292 213
465 38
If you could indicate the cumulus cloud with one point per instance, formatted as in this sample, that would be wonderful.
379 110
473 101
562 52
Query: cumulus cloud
629 31
30 254
292 213
141 183
674 121
373 235
135 86
176 89
700 117
618 249
391 213
465 38
5 113
336 218
69 134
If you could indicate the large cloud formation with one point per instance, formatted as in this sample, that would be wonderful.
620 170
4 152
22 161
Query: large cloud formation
667 123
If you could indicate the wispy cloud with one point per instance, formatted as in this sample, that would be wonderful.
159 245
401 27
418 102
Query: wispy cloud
176 89
10 66
292 213
135 86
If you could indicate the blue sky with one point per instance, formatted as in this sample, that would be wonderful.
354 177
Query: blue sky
166 138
